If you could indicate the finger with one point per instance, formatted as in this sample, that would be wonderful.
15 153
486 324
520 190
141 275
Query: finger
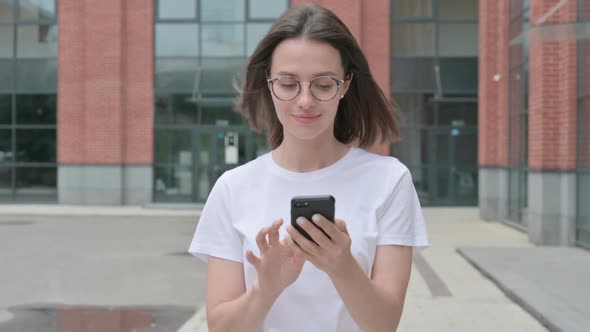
303 243
326 225
296 250
273 235
261 240
341 224
314 232
252 258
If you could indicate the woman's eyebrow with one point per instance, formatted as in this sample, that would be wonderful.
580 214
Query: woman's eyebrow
324 73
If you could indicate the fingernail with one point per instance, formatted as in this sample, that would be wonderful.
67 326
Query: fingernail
300 221
315 218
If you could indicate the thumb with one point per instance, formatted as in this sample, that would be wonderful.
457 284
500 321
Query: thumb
252 258
341 224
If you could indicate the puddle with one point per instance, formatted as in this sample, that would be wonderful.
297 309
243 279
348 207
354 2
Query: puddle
95 319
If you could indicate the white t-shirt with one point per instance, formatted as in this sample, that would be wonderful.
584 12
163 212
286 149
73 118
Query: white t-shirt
374 195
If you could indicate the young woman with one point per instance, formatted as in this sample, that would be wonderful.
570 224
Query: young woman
309 85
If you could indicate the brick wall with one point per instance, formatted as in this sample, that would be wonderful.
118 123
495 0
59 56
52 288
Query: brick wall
369 22
105 82
552 114
493 94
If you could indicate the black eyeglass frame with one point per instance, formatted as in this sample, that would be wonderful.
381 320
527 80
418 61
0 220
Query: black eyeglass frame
273 80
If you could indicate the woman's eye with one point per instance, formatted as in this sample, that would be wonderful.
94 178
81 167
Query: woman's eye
324 87
288 86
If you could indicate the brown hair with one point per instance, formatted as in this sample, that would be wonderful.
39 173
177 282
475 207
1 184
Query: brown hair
365 115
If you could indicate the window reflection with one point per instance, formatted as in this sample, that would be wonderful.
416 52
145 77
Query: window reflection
218 11
36 41
35 145
36 109
266 9
36 9
6 40
177 9
223 40
177 39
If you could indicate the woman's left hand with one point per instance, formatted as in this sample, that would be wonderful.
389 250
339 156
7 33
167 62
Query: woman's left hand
331 254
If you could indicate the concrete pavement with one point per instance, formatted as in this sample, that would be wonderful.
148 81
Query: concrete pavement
134 256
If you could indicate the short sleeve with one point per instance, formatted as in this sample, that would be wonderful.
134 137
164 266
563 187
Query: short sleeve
399 217
215 234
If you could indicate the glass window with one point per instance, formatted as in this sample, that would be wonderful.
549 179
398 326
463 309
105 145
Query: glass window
35 145
217 110
218 11
36 10
416 109
36 41
255 33
413 39
5 182
35 181
173 181
6 72
36 109
223 40
177 9
176 109
413 8
38 75
178 39
7 41
458 40
173 146
412 148
218 75
412 75
458 75
6 11
463 9
266 9
5 145
176 75
584 130
5 109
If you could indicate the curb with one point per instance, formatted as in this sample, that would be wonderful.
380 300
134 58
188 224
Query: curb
511 294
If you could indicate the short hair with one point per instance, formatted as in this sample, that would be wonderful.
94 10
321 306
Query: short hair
365 115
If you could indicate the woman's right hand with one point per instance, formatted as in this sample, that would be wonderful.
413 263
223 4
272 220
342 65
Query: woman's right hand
278 267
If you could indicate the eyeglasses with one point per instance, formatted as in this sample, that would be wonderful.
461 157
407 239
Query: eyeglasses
323 88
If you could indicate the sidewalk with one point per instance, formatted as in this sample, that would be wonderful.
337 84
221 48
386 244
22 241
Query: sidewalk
78 210
447 293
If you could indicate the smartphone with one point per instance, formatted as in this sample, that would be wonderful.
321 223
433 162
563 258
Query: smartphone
307 206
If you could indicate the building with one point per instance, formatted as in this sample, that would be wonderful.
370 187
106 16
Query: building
130 102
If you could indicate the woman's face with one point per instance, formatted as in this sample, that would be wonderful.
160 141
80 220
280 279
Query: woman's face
305 117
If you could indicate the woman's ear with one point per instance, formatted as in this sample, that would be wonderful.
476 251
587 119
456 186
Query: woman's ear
346 84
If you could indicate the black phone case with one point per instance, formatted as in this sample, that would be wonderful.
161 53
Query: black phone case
309 206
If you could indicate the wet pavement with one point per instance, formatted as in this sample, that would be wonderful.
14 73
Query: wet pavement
98 273
94 319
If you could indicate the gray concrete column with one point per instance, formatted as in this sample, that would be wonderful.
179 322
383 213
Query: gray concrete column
105 184
552 208
493 193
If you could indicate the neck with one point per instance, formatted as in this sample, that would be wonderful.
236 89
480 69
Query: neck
304 156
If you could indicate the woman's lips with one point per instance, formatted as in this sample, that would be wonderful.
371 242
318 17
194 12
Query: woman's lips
306 118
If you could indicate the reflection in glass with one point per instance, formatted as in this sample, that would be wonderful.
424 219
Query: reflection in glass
178 39
36 109
173 146
5 109
459 75
6 69
6 40
218 75
413 8
255 33
458 40
583 222
266 9
36 75
412 74
226 10
584 130
6 11
35 145
177 9
176 75
5 146
223 40
36 180
413 39
36 9
173 181
459 9
36 41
